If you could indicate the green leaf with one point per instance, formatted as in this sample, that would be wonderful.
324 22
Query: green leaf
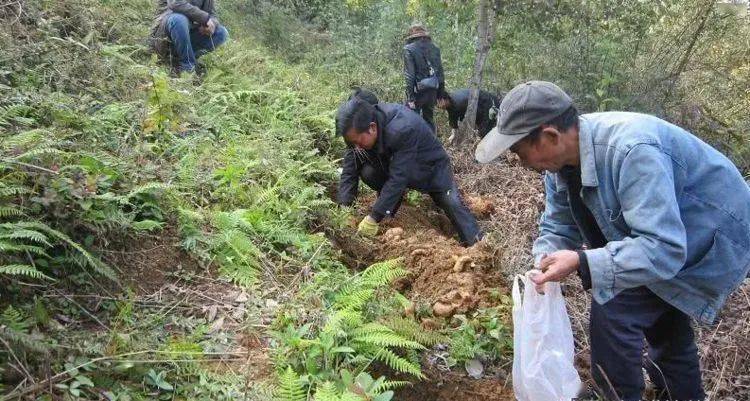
147 225
84 381
384 396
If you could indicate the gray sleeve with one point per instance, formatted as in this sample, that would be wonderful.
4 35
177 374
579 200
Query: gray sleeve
194 14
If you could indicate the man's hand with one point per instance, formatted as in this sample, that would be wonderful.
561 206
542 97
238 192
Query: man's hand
556 267
412 105
209 28
368 227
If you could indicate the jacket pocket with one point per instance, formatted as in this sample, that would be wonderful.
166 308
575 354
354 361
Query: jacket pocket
721 268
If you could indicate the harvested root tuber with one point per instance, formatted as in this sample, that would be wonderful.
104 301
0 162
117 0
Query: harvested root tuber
461 262
440 309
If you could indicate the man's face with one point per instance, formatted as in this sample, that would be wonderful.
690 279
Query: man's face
546 153
362 140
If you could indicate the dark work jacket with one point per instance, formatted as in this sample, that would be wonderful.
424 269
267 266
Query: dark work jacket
416 68
460 102
413 157
350 170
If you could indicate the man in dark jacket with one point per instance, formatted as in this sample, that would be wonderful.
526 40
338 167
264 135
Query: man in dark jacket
457 102
395 150
183 30
423 71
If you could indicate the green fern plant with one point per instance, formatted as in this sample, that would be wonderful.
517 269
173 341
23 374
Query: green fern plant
25 240
409 328
290 387
14 329
351 337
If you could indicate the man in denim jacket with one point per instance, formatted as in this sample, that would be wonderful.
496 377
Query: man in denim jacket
655 221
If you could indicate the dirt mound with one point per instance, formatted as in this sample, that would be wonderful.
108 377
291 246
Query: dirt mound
442 273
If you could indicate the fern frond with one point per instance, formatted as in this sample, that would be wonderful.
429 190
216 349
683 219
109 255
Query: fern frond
383 273
37 152
26 341
11 246
12 190
97 265
23 270
327 392
17 232
339 319
384 339
409 328
391 385
148 188
290 387
243 275
14 319
9 211
27 139
398 363
369 328
354 300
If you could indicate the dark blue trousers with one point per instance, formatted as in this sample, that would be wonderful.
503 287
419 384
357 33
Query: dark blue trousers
618 330
450 201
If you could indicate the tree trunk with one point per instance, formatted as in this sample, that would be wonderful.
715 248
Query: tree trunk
486 18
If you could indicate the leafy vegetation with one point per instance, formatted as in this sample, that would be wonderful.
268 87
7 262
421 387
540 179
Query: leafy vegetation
354 331
100 150
683 60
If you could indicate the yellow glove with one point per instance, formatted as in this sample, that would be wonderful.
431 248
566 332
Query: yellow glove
368 227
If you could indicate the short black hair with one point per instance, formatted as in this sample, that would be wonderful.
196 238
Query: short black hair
569 118
354 113
365 95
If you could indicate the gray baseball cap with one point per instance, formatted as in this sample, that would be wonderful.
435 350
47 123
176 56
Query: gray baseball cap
523 109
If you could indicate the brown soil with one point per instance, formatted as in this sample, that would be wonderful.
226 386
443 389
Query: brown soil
452 386
442 273
148 259
161 272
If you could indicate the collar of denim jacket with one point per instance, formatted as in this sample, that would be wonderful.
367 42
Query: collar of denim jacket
589 177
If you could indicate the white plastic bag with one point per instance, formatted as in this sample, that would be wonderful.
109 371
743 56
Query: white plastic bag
543 344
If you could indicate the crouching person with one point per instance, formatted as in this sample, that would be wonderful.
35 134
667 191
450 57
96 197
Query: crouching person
456 104
392 149
185 30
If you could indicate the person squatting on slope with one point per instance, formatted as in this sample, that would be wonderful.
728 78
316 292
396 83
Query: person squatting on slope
184 30
423 72
666 223
392 149
456 103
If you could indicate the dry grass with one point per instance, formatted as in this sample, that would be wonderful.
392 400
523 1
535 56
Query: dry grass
518 197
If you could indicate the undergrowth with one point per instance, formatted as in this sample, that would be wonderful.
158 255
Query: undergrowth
99 143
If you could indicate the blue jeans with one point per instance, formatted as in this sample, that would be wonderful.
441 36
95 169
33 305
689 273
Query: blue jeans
617 331
188 43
